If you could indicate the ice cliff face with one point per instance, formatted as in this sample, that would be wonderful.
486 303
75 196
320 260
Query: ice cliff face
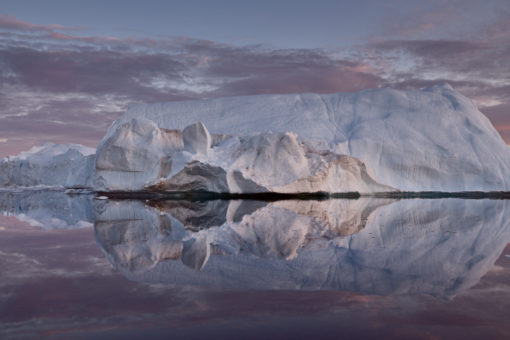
54 165
417 140
140 155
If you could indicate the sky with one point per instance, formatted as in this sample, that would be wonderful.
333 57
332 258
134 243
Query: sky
69 68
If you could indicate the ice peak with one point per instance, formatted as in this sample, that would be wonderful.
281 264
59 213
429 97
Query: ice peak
440 87
196 138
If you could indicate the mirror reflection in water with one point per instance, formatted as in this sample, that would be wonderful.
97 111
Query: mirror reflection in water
437 247
366 264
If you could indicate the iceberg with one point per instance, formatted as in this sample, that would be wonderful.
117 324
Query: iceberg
49 165
379 140
433 139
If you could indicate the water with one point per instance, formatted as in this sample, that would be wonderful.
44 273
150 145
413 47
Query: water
76 267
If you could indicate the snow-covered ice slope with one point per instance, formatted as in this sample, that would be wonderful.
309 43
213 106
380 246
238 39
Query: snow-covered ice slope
431 139
50 165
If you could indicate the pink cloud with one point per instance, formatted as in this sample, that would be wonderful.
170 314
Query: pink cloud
10 22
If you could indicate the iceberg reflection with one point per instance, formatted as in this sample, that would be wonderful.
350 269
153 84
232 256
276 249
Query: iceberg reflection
49 209
438 247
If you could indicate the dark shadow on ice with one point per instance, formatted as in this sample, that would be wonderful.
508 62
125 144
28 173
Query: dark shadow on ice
206 195
276 196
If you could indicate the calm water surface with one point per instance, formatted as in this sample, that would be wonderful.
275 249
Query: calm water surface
74 267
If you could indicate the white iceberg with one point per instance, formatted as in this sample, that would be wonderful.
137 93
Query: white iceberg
49 165
379 140
415 140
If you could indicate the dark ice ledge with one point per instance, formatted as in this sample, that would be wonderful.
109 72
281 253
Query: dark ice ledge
273 196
